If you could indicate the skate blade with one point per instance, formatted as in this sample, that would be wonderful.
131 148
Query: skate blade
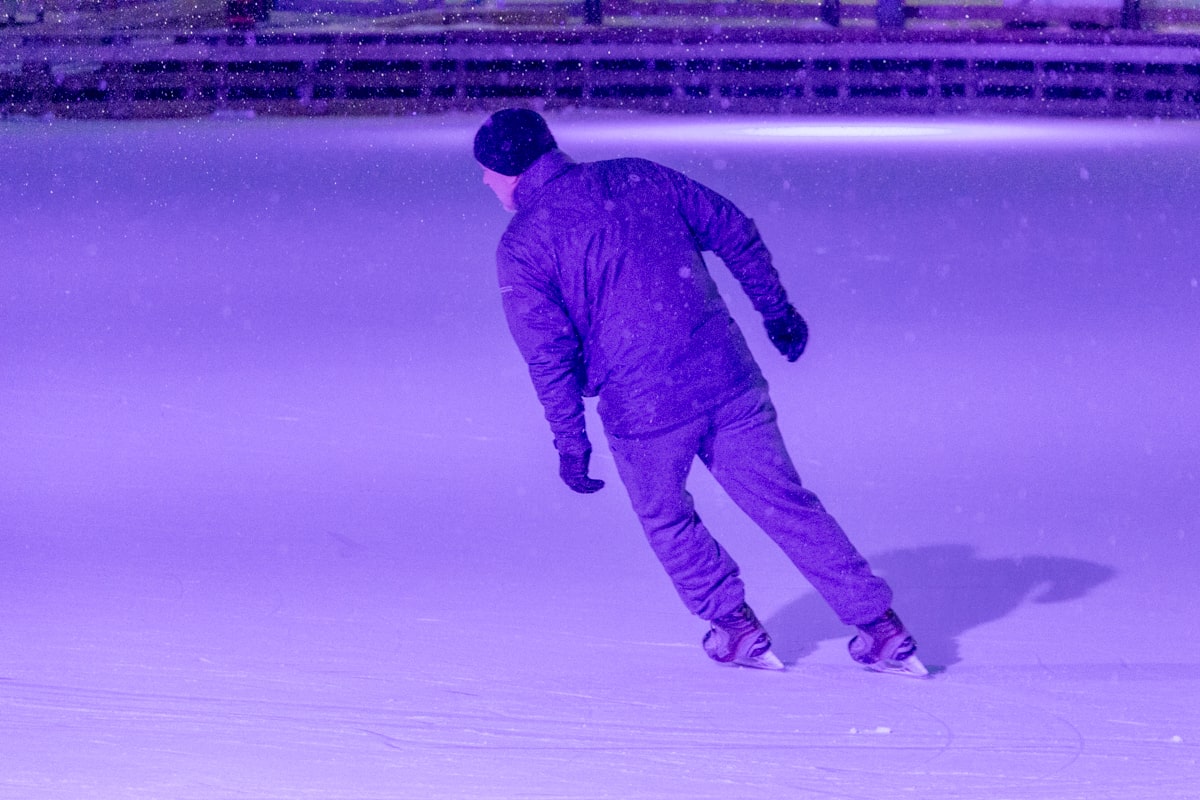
767 660
911 667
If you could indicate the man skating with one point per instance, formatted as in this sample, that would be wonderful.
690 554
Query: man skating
606 294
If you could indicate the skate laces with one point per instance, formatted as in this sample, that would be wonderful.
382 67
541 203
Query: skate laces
738 621
736 634
885 638
884 628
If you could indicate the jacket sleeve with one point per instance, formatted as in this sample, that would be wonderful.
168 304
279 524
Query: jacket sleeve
720 226
548 341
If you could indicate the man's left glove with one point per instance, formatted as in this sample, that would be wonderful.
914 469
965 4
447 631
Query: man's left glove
789 333
574 472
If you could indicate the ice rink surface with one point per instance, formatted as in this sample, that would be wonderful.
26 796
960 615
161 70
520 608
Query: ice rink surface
279 514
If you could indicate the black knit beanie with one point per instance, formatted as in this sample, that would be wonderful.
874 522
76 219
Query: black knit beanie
511 140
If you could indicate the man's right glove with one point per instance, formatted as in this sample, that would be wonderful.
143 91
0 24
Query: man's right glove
789 333
574 472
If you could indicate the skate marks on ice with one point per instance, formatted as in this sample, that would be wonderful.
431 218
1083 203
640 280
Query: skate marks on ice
942 592
330 728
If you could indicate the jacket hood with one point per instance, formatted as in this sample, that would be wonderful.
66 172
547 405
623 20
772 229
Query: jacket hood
541 172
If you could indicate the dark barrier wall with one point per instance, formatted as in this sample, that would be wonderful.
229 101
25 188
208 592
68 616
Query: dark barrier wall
678 70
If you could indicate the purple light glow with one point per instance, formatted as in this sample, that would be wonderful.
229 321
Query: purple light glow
279 514
771 131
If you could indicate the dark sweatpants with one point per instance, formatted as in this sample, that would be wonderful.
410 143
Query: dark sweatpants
741 445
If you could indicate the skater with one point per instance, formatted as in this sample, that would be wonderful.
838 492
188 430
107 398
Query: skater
606 294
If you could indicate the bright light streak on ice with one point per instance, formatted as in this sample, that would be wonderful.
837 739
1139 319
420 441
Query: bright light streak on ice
827 131
781 131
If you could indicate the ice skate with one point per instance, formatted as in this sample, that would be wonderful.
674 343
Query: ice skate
739 638
885 645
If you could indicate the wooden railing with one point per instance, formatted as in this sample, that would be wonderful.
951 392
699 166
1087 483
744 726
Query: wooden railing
887 14
1131 14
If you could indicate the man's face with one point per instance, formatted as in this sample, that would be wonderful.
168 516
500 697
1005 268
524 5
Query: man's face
503 186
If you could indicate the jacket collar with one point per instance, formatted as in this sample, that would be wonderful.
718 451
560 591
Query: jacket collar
541 172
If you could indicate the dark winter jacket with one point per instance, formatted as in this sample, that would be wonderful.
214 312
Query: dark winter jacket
606 293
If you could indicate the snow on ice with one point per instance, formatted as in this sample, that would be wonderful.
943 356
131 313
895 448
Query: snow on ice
279 516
